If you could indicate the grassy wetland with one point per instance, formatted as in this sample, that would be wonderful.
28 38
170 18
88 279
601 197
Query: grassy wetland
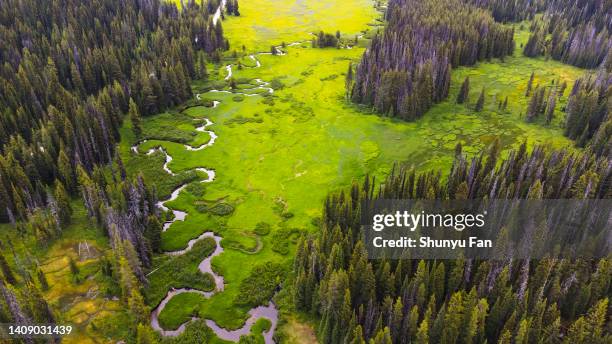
242 169
279 152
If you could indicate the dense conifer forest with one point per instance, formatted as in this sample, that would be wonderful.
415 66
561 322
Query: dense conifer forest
511 10
359 300
459 301
407 69
69 72
575 32
588 118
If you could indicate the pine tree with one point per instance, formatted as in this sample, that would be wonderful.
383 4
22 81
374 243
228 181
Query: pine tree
66 172
137 307
37 305
20 208
135 118
562 89
202 72
382 337
413 321
505 338
357 337
422 336
453 319
349 80
535 43
42 280
534 105
481 101
77 81
595 322
63 203
439 277
464 92
145 335
396 318
550 107
153 233
529 84
577 333
74 271
7 272
236 8
522 336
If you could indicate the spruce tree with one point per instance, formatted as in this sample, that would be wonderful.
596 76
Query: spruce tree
135 118
236 8
349 80
481 100
464 92
7 272
42 280
63 203
145 335
529 84
550 107
74 271
139 311
422 336
153 233
66 172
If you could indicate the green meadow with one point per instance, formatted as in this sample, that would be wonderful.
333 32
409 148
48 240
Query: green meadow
277 156
263 23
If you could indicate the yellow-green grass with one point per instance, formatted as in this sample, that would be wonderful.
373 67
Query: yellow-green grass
298 331
80 304
277 157
308 141
270 22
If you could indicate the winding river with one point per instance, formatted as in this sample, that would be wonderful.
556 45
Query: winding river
270 311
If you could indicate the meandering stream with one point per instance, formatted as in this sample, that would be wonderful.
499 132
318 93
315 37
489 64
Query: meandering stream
269 312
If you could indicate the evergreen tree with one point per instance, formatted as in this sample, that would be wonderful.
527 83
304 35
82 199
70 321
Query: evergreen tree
481 100
42 280
145 335
349 80
153 233
202 72
7 272
63 203
464 92
66 172
137 307
422 336
135 118
453 319
530 84
74 271
406 85
459 315
236 8
550 107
